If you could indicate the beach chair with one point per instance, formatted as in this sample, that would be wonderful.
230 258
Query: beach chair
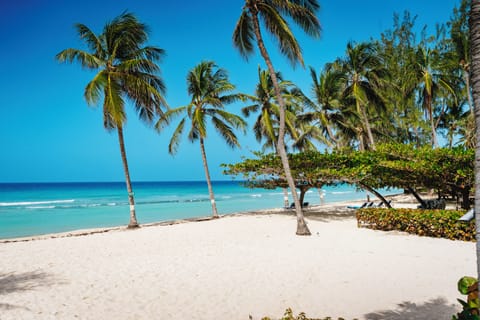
304 205
364 205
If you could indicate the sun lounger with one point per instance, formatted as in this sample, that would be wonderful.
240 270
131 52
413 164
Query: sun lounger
468 216
364 205
304 205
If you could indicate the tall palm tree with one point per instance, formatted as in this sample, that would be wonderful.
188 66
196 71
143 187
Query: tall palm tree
430 80
363 72
247 30
127 70
474 23
210 90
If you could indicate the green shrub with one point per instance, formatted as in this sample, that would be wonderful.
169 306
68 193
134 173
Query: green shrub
468 286
289 316
431 223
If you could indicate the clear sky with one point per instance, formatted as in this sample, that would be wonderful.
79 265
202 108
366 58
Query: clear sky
47 132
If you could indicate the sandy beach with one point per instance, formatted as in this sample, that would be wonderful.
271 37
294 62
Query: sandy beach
234 267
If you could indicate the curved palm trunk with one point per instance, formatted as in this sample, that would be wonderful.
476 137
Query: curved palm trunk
432 121
133 217
368 128
209 182
302 228
475 82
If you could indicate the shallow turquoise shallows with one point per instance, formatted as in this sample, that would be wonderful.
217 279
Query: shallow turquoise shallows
28 209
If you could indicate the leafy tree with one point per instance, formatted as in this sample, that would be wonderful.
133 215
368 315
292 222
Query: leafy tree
247 29
210 89
127 70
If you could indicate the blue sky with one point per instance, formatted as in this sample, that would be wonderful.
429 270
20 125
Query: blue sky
47 132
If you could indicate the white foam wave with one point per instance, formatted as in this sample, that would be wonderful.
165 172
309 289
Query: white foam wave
256 195
33 203
341 192
41 207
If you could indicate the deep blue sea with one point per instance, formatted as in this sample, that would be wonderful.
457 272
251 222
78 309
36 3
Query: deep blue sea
28 209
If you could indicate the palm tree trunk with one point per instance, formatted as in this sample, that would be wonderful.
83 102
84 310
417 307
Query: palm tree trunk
209 182
133 217
302 228
286 203
368 128
467 85
474 24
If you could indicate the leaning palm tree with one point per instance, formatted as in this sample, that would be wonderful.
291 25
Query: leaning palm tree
127 70
210 90
474 23
265 127
247 30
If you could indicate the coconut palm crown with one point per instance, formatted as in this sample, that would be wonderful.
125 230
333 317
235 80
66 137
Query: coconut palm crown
210 90
127 70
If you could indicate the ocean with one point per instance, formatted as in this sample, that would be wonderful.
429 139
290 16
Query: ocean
28 209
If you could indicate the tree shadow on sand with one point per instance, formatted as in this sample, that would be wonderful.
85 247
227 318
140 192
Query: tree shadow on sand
438 309
12 282
326 216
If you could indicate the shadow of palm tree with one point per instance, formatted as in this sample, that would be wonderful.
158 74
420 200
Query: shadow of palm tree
438 309
12 282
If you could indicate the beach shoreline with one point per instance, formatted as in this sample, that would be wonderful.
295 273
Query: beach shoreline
338 209
233 267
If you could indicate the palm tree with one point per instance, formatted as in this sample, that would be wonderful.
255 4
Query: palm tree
430 80
127 70
266 124
210 90
474 23
363 72
247 29
325 89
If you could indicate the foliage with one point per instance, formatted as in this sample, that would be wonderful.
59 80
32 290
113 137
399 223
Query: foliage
288 315
449 171
468 286
431 223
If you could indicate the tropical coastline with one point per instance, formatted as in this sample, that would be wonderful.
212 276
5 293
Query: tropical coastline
42 208
236 266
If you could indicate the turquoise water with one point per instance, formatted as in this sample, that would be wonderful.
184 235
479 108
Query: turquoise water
28 209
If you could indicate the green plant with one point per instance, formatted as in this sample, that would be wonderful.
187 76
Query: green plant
288 315
431 223
468 286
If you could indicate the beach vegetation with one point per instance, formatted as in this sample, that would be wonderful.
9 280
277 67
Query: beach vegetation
247 31
210 90
289 315
470 309
127 70
450 172
430 223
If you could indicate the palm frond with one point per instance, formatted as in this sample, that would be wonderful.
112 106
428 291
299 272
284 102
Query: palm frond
243 35
225 132
281 31
175 140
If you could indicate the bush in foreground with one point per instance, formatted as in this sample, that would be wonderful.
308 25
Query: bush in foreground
301 316
431 223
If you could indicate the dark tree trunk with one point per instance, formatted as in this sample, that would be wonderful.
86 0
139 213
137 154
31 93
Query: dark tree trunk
377 194
416 195
133 217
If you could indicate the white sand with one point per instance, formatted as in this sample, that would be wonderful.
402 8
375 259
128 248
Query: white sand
234 267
